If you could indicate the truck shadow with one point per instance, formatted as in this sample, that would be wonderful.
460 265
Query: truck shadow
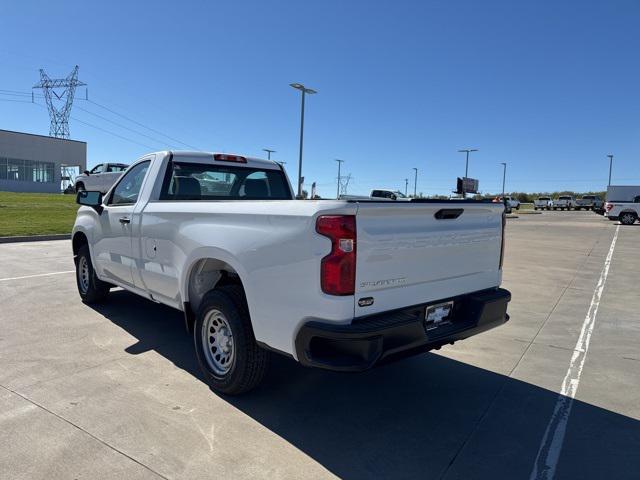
426 417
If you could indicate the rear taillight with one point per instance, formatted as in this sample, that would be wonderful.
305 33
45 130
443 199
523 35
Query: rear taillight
338 269
504 222
608 206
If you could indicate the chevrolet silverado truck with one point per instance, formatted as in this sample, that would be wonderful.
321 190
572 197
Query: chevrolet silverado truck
336 284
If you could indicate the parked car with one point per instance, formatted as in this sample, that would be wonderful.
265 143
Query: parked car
510 201
564 202
380 193
101 177
626 212
542 203
589 202
335 284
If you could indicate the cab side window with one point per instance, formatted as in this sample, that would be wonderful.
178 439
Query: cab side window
97 169
128 188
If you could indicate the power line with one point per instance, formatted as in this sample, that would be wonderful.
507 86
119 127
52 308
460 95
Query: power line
13 100
161 142
142 125
102 129
18 93
111 133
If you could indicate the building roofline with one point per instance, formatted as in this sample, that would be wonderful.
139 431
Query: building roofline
42 136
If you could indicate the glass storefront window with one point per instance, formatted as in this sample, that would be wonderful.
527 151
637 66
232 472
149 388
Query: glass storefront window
26 170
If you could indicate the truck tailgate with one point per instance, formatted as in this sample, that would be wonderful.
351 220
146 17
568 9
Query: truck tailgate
414 253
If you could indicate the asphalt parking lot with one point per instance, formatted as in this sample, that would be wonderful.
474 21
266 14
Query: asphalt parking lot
114 391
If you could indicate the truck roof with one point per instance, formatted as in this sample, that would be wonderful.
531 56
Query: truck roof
208 157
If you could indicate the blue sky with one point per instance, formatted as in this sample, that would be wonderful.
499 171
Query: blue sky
548 87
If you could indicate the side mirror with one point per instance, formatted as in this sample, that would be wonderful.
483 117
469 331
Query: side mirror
86 172
90 199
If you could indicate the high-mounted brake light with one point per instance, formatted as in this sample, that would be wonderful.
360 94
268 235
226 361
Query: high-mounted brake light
338 268
223 157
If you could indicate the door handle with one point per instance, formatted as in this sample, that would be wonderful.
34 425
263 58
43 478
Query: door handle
124 220
448 213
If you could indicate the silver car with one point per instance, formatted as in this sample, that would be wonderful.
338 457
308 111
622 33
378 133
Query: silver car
101 177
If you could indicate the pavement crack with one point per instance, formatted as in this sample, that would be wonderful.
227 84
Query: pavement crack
78 427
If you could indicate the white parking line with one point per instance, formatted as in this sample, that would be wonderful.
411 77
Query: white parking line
544 467
34 276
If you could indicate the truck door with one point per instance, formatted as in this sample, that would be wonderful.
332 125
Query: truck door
113 252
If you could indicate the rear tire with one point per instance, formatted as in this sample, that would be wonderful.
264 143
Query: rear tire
628 218
226 349
90 287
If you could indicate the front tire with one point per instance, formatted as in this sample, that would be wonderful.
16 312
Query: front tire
227 352
90 287
627 218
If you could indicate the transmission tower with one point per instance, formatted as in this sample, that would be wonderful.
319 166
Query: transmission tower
61 90
344 183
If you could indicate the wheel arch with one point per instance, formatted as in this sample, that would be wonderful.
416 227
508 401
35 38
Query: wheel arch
78 240
207 270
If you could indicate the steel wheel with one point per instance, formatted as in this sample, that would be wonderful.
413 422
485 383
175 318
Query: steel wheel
83 274
217 342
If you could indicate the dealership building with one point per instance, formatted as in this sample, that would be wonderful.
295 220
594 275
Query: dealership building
36 163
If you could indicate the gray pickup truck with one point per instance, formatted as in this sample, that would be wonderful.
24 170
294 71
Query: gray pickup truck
589 202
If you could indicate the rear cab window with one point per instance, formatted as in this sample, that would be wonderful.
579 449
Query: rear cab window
201 181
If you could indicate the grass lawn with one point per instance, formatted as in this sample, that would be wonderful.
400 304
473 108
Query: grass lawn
36 213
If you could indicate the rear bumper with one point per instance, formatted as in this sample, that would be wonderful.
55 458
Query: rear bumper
384 337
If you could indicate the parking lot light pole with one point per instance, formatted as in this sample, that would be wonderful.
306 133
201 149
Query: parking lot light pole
305 91
415 183
269 152
610 165
504 176
406 185
340 162
466 168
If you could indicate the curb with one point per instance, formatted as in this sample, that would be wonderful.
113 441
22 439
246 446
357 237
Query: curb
35 238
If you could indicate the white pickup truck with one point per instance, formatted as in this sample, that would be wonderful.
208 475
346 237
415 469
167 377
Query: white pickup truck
336 284
101 177
384 194
564 202
542 203
626 212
